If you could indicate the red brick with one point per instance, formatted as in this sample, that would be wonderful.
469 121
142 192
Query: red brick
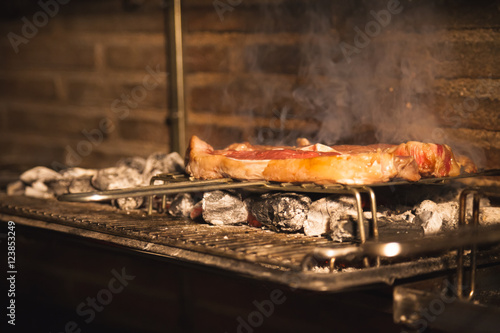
120 22
287 16
27 88
475 113
245 96
88 92
467 59
207 58
49 52
104 93
456 15
50 124
125 57
273 58
28 154
141 97
492 158
143 130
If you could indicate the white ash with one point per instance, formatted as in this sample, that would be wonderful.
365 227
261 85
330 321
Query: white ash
435 217
223 208
72 173
182 205
42 182
116 178
128 203
81 185
489 215
318 218
38 189
137 163
283 212
16 188
406 216
39 173
59 186
157 163
334 216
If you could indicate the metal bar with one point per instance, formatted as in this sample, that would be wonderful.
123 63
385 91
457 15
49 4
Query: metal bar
177 112
373 204
171 188
465 236
473 259
460 251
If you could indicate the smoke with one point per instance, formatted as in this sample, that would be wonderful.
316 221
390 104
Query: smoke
365 85
357 73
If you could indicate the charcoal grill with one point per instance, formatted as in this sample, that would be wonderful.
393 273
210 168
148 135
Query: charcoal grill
294 260
281 257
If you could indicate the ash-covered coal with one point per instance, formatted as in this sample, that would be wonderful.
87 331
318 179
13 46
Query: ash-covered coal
42 182
160 162
182 205
435 217
324 215
137 163
116 178
281 212
223 208
441 216
81 185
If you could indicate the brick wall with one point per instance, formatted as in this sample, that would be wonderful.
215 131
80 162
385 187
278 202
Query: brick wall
87 88
276 70
257 70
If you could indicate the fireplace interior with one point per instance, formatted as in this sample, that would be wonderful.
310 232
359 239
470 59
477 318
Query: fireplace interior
101 95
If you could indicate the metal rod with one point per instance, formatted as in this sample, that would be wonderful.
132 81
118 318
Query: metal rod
361 225
460 251
408 248
177 112
171 188
373 203
473 258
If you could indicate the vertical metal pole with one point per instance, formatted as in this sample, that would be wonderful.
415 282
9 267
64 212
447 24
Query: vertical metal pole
177 114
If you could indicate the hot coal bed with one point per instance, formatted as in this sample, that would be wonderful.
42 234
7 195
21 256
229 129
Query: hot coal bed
96 245
267 243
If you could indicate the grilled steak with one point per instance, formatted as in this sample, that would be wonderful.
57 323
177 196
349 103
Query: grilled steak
344 164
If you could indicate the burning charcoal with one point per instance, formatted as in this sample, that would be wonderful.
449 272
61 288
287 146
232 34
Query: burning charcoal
222 208
286 212
114 178
252 221
59 186
162 163
182 205
197 211
39 173
437 216
318 217
129 203
334 215
81 185
326 213
38 189
16 188
137 163
489 215
407 216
